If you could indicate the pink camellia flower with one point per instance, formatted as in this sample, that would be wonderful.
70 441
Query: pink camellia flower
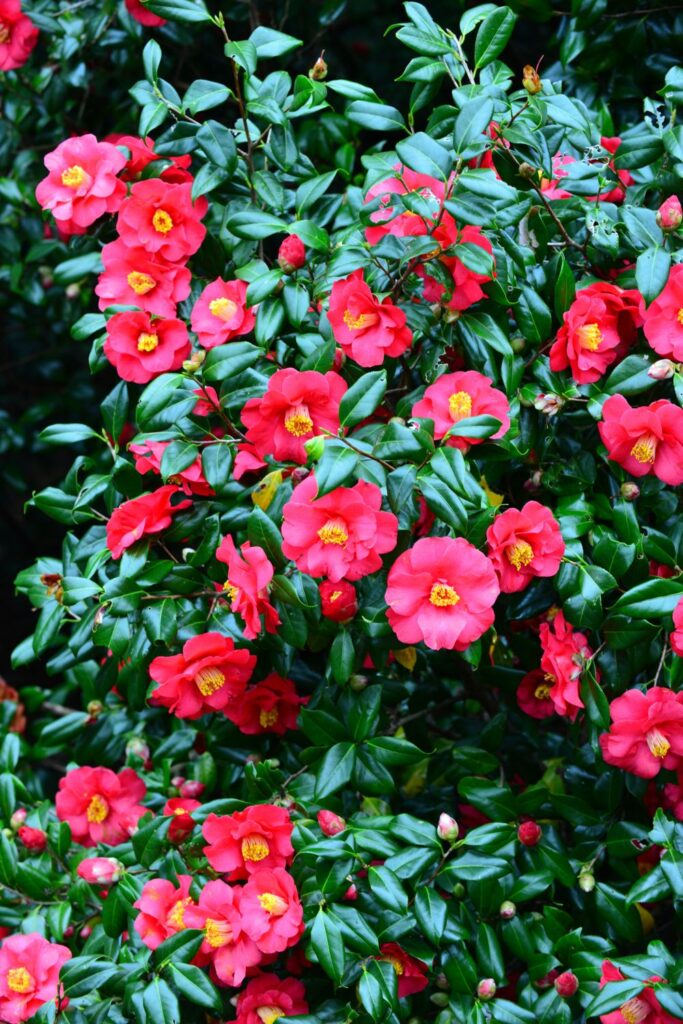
524 543
134 277
533 695
411 972
330 823
272 913
291 255
100 870
210 674
296 406
342 534
100 806
221 313
142 517
82 183
459 396
646 732
142 154
249 577
266 998
256 839
162 218
663 322
442 591
676 637
180 809
338 601
191 480
565 652
18 35
466 287
598 329
29 975
226 945
393 219
644 1008
447 828
209 401
670 214
141 13
644 440
141 349
553 190
162 907
272 705
366 328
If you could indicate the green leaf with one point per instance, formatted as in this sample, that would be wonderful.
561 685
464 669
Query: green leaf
652 599
193 983
564 291
388 889
203 95
328 945
219 145
190 11
255 224
475 426
493 35
161 1003
652 272
262 531
613 995
67 433
533 316
334 770
151 59
430 911
270 43
377 117
423 154
469 137
362 398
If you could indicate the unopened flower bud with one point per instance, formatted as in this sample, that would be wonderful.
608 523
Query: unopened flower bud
587 882
670 214
46 278
531 80
663 369
319 70
100 870
136 747
547 980
451 316
94 708
191 789
32 838
18 818
72 291
351 894
549 405
358 682
192 364
291 255
629 491
86 931
458 891
566 984
526 171
299 474
442 981
330 823
518 344
533 484
529 833
315 447
439 998
508 910
447 829
486 989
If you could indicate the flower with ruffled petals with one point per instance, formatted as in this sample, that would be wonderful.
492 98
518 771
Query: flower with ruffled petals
209 675
466 287
391 218
524 543
338 601
226 945
646 733
459 396
18 35
99 805
134 277
565 652
663 322
29 975
272 705
249 576
141 348
271 909
258 838
644 1008
142 517
598 329
162 907
163 218
221 313
411 973
191 480
266 998
82 183
645 440
366 328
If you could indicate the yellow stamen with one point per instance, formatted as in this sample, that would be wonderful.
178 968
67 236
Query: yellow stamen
658 744
141 283
590 337
520 554
73 177
255 848
335 595
542 692
273 904
333 533
217 933
98 809
162 222
266 719
679 316
4 32
645 449
147 342
176 917
298 421
209 680
269 1014
460 405
634 1011
230 590
396 964
19 980
223 308
443 596
359 323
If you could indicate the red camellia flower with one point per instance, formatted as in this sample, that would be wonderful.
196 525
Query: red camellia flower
226 945
191 480
29 975
272 912
338 601
466 288
162 907
134 277
663 321
141 348
18 35
565 651
291 255
599 328
210 674
266 998
270 706
82 183
411 972
644 440
162 218
249 577
142 154
221 313
366 329
32 838
459 396
296 406
529 833
256 839
646 733
340 535
142 517
524 543
100 806
209 401
533 695
676 637
137 10
442 591
644 1008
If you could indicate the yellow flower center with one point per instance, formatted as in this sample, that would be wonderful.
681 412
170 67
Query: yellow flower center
634 1011
98 809
267 718
223 308
209 680
147 342
230 590
19 980
269 1014
217 933
460 405
298 421
176 917
255 848
4 32
645 449
335 595
590 337
272 904
359 323
333 533
162 222
73 177
141 283
396 964
658 743
520 554
542 692
443 596
679 316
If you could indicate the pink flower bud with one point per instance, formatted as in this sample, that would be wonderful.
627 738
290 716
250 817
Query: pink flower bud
547 980
331 823
549 405
191 789
100 870
291 254
529 833
670 214
486 989
566 984
508 910
630 491
18 818
339 359
663 369
447 829
32 838
178 781
136 747
351 893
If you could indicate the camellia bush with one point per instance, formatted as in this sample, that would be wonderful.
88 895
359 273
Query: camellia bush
364 642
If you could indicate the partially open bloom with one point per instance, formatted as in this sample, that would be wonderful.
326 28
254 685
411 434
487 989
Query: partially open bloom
296 406
338 601
82 183
272 705
330 823
466 288
341 535
142 517
162 907
191 480
646 733
676 637
32 838
162 217
255 839
533 695
134 277
663 323
524 543
141 13
411 972
18 35
99 805
644 1008
141 348
266 998
29 975
271 909
644 440
209 675
249 577
226 945
442 591
100 870
366 328
221 313
565 652
459 396
598 329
